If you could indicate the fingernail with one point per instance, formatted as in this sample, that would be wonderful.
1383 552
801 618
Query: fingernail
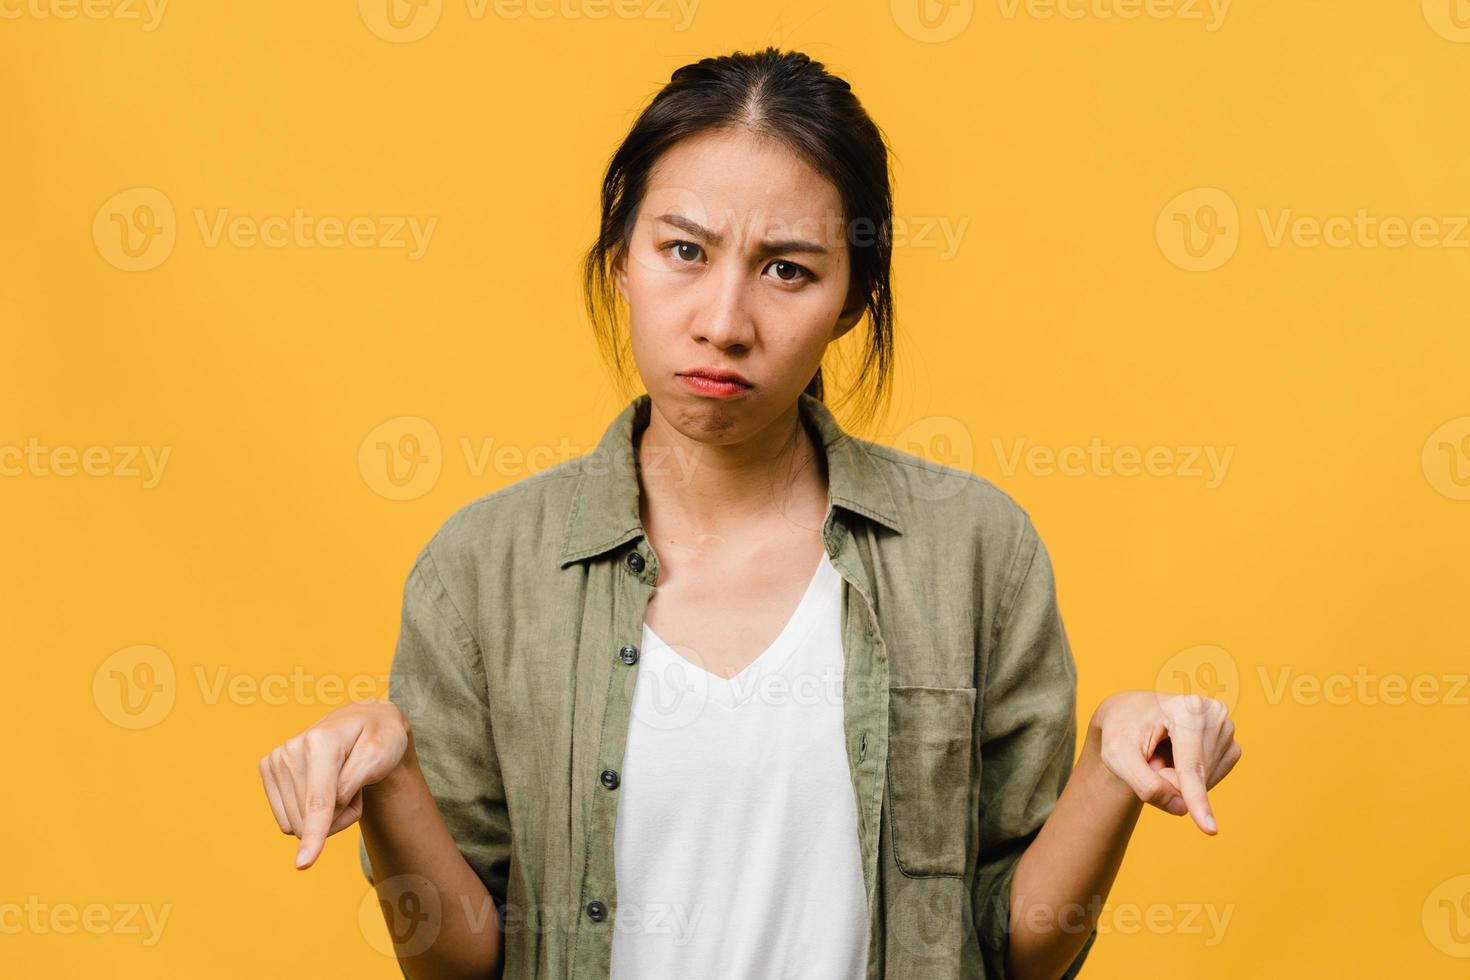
301 855
1210 822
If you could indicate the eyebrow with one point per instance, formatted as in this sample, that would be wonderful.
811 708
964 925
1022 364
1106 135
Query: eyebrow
769 247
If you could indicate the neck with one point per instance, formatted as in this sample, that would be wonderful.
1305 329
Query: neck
697 488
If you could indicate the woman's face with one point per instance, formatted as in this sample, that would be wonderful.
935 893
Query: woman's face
738 262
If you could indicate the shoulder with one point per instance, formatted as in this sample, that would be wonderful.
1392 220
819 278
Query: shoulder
937 499
516 508
524 520
962 536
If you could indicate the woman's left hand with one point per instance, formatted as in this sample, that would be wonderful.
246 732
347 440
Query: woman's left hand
1168 748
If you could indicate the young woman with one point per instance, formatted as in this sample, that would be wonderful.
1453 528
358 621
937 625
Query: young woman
738 694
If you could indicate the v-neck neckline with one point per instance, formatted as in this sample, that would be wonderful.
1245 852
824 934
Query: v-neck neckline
784 639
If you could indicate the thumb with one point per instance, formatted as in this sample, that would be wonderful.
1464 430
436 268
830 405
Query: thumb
1176 804
1147 783
349 813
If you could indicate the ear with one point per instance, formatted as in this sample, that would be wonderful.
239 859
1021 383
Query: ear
620 272
851 313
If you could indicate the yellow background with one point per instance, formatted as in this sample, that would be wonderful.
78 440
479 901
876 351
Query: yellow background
270 554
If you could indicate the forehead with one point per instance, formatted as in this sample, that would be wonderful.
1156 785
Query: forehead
739 174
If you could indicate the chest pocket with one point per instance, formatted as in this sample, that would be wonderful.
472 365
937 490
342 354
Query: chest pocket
930 742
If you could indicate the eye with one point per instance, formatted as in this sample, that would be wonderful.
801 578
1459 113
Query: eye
677 248
799 273
788 272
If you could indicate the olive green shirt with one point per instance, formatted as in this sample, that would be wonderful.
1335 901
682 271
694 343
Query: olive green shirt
518 655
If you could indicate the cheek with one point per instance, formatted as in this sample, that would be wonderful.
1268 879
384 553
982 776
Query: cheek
653 308
654 291
654 329
810 312
645 290
799 329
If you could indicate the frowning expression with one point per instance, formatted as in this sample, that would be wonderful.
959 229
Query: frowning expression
737 268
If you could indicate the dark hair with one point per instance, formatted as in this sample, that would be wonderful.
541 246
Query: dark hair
794 100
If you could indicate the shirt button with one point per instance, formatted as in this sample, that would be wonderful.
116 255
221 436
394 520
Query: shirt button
635 561
596 911
610 778
628 654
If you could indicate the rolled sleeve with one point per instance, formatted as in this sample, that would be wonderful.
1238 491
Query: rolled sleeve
438 680
1028 738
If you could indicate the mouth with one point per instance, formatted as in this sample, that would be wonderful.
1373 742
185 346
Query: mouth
721 384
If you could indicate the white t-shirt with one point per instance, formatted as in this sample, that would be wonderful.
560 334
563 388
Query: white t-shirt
735 845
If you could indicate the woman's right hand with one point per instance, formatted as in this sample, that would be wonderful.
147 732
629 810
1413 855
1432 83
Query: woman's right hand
314 780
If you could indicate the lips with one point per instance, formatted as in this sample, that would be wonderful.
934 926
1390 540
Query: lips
729 377
715 384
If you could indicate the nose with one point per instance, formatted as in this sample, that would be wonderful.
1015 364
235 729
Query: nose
723 317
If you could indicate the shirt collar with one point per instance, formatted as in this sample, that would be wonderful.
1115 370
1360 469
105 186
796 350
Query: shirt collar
604 511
